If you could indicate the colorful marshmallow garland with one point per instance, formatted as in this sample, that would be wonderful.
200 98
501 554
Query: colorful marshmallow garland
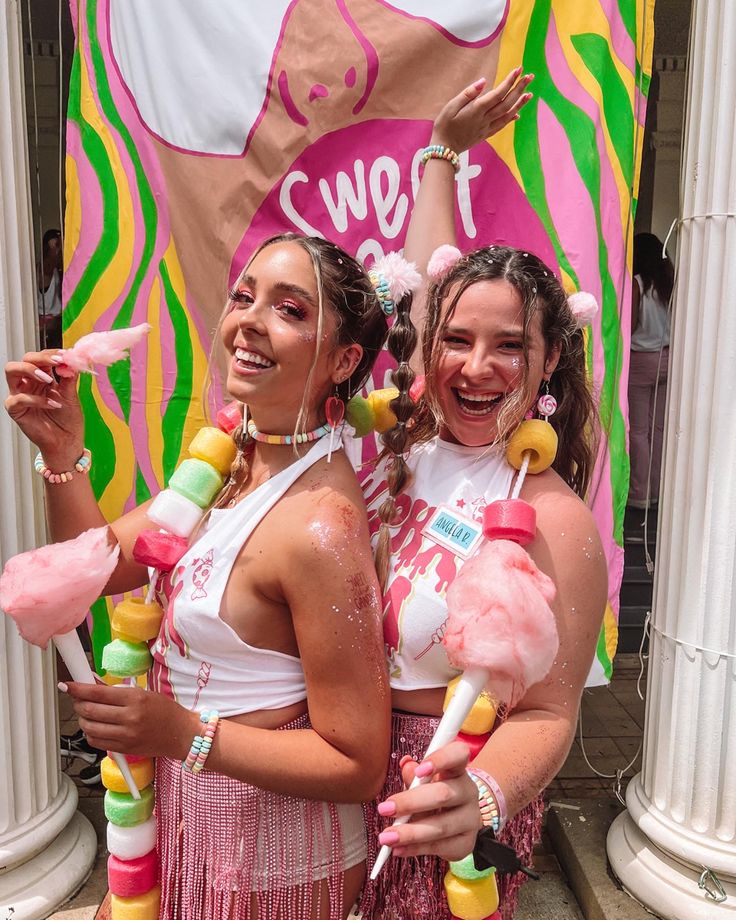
133 863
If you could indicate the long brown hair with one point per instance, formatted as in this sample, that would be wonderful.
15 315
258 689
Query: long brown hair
540 291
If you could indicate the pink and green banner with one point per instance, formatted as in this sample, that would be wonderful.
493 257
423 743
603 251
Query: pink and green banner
195 130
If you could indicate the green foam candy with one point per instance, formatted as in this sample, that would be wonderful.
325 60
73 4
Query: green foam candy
196 480
360 415
123 810
465 869
126 659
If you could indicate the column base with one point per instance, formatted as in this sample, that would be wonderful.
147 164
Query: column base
36 888
664 886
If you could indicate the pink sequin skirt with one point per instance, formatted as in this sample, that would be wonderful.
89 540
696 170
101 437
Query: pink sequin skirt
412 888
232 851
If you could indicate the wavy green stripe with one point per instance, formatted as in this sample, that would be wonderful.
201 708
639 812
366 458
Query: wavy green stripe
580 131
172 423
627 8
96 154
120 378
596 55
142 492
601 653
98 434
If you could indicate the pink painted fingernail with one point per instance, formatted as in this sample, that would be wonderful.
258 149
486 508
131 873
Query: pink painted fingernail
63 687
388 838
53 404
56 359
407 758
387 808
424 769
43 376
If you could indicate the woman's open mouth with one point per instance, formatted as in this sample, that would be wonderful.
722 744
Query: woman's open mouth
478 404
246 361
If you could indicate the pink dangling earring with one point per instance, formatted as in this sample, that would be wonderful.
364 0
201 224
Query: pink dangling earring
546 404
334 413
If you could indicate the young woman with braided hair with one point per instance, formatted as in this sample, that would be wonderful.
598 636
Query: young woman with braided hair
497 330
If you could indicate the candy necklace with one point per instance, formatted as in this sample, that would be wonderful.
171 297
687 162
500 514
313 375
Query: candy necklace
286 438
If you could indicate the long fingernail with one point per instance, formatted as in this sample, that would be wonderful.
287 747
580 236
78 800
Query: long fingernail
424 769
387 808
479 83
407 758
63 687
43 376
56 359
53 404
388 838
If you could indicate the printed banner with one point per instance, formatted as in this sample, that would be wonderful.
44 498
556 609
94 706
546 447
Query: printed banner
196 130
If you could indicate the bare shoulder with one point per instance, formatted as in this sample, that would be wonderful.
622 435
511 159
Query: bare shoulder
326 510
568 544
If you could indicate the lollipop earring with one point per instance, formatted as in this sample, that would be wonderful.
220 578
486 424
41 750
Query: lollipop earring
334 413
546 404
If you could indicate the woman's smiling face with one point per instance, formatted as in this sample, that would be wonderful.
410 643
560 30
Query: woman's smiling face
270 333
481 360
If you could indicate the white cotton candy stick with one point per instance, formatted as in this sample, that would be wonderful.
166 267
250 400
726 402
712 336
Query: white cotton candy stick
74 657
467 690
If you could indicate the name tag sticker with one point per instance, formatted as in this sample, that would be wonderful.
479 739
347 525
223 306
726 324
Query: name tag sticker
454 531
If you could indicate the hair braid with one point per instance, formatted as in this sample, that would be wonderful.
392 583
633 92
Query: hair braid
402 340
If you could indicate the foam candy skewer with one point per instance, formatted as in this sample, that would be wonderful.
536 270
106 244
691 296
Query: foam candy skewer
467 691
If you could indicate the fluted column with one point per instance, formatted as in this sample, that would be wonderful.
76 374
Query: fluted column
681 809
46 847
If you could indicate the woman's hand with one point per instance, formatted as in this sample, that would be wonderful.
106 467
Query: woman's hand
474 115
133 721
446 817
46 410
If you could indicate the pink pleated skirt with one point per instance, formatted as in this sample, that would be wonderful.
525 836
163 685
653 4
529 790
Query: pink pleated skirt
411 888
232 851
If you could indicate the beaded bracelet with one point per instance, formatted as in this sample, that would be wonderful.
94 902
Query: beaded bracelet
491 800
81 466
202 744
440 152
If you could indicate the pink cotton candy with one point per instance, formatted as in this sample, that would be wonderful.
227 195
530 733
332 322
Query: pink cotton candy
499 619
103 348
48 591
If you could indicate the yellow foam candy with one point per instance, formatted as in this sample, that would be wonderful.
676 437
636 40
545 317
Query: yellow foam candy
481 717
112 679
135 620
141 907
214 447
538 437
471 899
112 778
379 401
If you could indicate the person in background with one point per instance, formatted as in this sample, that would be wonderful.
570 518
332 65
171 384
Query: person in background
50 274
650 339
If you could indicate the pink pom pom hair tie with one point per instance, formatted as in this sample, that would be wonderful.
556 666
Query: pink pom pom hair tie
393 278
584 307
442 260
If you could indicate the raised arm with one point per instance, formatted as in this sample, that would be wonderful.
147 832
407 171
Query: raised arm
467 119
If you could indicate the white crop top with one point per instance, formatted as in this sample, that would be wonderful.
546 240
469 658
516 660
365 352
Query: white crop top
198 659
459 481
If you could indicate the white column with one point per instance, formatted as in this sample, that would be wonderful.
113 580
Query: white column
681 817
46 847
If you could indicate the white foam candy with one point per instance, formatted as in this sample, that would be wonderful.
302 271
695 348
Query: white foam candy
174 513
131 842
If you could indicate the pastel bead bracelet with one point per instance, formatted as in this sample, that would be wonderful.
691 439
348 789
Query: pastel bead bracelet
82 465
440 152
202 744
491 800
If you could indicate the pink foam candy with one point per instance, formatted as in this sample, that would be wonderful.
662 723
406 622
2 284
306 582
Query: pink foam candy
48 591
510 519
131 877
229 417
416 390
499 619
159 550
103 348
476 743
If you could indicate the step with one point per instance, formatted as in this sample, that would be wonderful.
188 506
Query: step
637 587
631 628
